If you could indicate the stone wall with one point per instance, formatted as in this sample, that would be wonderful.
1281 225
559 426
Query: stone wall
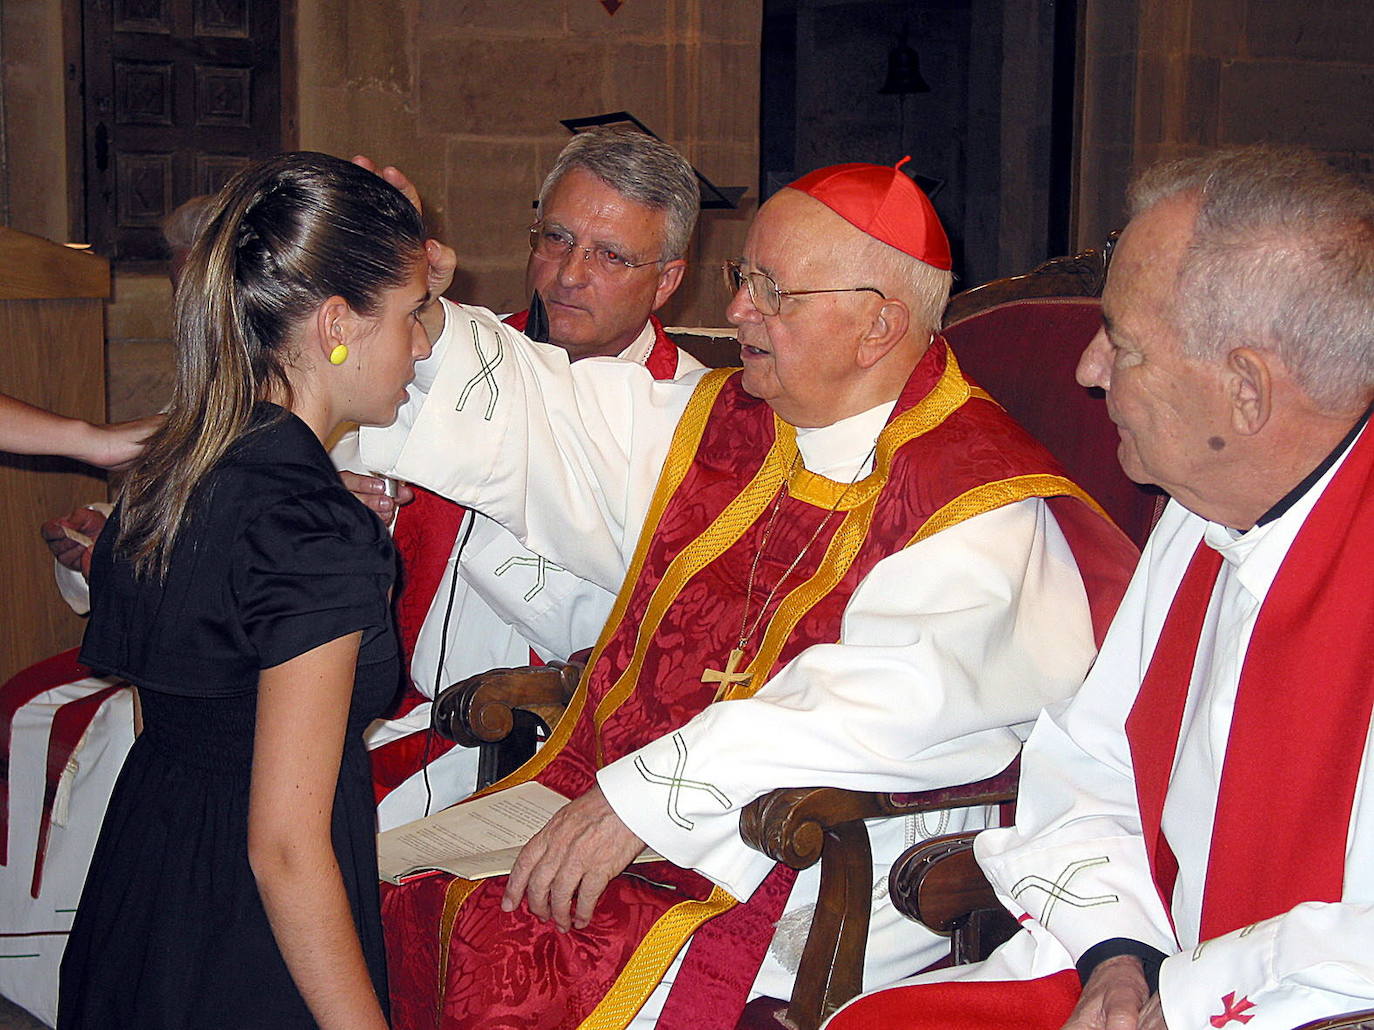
1168 78
467 96
988 65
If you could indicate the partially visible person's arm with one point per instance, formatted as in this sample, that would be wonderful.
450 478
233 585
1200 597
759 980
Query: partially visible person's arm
371 490
70 537
564 456
26 429
1078 824
944 645
289 832
1312 962
443 260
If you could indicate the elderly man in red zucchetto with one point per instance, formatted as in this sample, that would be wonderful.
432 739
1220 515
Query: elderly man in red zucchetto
842 564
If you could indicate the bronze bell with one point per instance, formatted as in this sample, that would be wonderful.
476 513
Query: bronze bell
904 71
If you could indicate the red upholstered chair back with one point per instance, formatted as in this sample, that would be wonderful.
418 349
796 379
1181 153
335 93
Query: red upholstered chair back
1024 352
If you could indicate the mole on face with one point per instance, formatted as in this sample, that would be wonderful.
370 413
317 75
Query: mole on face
1216 443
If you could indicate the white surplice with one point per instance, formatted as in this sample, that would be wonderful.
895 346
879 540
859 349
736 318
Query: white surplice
943 646
506 601
1075 860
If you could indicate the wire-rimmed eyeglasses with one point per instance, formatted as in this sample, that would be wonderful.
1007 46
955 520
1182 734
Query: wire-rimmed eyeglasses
765 293
553 243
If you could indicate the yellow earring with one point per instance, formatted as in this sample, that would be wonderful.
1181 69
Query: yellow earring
338 355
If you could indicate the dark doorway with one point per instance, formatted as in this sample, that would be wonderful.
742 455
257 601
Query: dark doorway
178 96
991 138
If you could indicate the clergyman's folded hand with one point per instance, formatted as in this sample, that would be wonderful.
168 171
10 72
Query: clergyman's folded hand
1114 998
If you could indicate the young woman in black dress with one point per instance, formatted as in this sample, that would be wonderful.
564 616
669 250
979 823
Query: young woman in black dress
245 592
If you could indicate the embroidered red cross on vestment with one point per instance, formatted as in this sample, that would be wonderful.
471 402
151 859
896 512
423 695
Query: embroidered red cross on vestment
1232 1011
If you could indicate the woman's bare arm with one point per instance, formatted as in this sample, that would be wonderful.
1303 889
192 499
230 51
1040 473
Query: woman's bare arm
301 721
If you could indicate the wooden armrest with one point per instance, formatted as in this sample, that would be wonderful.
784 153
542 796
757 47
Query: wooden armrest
789 825
799 826
993 790
481 709
937 882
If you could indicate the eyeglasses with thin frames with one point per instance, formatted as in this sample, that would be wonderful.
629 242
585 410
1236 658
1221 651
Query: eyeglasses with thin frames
554 243
765 293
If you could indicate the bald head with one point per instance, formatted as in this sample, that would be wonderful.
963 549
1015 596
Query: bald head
851 320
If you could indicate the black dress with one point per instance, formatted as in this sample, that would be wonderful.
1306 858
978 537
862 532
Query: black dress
276 559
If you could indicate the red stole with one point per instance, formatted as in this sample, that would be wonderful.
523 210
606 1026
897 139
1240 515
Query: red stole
1301 716
947 453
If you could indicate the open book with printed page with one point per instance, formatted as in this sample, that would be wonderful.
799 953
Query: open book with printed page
477 839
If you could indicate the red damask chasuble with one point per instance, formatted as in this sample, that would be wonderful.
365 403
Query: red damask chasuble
948 452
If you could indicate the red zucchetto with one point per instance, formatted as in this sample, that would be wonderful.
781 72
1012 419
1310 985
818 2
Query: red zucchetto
884 203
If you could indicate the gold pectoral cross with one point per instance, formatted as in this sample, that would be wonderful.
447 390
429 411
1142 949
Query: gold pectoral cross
729 677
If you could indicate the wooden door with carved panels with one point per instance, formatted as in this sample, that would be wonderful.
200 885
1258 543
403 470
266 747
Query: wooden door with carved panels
180 94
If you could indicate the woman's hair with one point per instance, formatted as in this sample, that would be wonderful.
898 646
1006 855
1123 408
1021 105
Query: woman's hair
282 237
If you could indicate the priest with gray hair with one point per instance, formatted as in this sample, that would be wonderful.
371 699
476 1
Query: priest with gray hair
1194 838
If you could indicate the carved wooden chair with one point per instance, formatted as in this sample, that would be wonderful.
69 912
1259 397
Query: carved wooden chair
1014 337
503 711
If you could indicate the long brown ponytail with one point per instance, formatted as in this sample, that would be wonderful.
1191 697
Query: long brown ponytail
282 237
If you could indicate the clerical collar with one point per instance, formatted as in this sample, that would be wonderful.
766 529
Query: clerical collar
842 450
1310 480
641 346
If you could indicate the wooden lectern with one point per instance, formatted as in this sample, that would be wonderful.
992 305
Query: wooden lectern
52 353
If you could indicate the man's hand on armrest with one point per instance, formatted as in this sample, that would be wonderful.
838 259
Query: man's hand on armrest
371 490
